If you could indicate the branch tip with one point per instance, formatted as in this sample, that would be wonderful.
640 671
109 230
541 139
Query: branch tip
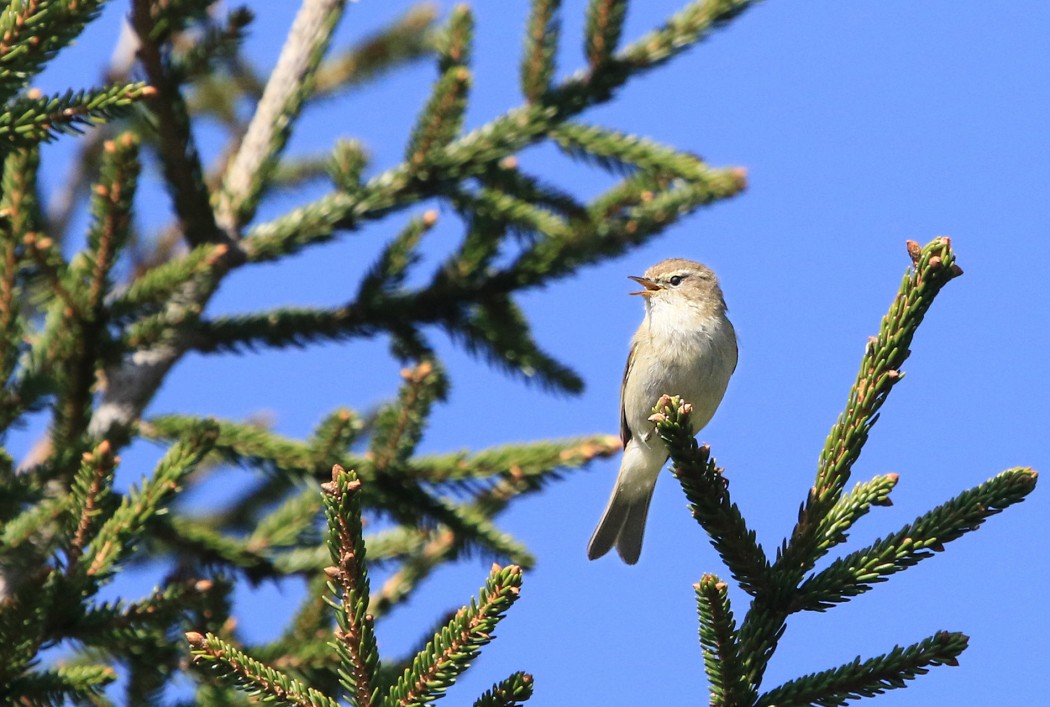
914 251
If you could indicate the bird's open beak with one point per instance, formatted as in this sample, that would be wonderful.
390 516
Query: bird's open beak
650 287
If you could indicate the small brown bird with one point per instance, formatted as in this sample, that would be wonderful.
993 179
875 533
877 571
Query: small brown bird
685 346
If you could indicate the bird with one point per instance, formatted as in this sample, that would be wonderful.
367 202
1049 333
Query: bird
685 346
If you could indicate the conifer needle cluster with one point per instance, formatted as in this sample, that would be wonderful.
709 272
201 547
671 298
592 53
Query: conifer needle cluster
736 654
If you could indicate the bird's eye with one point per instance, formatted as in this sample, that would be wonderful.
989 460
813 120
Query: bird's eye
676 280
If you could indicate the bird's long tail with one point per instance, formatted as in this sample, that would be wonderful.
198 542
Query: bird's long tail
623 522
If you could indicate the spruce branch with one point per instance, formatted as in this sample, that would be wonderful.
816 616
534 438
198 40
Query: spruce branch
642 213
355 640
396 477
511 692
346 163
126 628
74 188
718 637
516 210
389 271
92 489
399 426
20 200
454 43
278 328
299 170
684 29
287 525
432 671
31 33
33 119
498 330
506 178
20 216
253 165
421 552
336 433
136 380
760 632
65 304
933 267
24 614
482 242
111 211
857 679
474 153
219 41
218 75
516 461
63 295
568 246
856 572
140 634
469 524
200 540
180 160
708 493
853 506
442 117
604 26
617 151
827 516
406 39
150 291
59 685
541 43
236 668
452 650
24 529
819 526
123 529
634 190
250 446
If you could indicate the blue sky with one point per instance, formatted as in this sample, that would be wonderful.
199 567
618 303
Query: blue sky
861 125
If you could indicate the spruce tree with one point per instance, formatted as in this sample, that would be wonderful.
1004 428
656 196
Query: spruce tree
92 323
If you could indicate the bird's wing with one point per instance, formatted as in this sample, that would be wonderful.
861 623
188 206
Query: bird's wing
625 431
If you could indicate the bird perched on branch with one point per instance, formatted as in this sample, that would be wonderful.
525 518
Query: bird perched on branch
685 346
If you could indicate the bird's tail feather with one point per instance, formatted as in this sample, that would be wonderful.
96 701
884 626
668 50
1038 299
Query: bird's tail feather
608 530
623 522
629 539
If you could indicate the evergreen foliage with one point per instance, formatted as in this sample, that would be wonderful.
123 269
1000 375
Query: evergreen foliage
736 656
90 329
